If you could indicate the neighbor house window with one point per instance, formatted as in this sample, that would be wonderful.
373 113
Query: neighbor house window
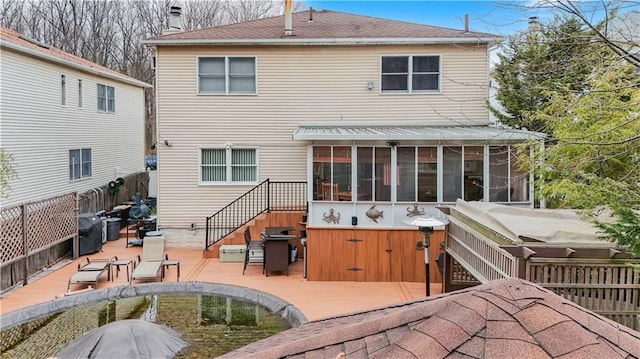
233 165
63 89
79 163
80 94
410 74
106 98
227 75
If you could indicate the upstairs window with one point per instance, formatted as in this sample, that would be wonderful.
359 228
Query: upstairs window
79 163
233 165
410 74
227 75
106 98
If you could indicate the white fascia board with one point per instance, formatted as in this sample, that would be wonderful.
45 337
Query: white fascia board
67 63
322 42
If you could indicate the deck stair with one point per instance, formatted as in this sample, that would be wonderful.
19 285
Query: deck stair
255 210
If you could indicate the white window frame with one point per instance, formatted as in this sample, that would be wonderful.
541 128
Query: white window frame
71 166
227 91
229 171
109 99
410 74
63 89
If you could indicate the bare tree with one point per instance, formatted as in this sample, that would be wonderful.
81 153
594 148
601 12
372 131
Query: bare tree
11 15
198 14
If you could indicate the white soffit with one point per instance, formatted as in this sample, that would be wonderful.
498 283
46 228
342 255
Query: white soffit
422 133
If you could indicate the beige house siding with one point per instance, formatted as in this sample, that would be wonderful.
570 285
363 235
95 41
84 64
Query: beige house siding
39 132
295 85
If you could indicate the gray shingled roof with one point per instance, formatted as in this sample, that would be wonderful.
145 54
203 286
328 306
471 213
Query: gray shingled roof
507 318
327 27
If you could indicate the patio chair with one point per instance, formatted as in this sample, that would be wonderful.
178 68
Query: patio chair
90 272
254 252
329 191
149 265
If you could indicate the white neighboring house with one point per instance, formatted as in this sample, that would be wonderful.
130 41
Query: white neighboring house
70 124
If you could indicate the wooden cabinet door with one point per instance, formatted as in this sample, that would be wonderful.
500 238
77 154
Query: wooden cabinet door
331 255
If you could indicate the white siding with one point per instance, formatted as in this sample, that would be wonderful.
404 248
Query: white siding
295 84
38 131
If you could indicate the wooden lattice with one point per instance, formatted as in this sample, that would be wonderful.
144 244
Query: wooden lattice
48 222
11 244
51 221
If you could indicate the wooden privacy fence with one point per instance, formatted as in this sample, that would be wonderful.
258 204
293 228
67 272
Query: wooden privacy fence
608 287
35 235
99 198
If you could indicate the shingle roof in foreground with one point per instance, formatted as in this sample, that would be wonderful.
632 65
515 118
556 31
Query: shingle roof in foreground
326 24
508 318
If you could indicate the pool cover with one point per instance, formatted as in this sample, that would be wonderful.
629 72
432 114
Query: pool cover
131 338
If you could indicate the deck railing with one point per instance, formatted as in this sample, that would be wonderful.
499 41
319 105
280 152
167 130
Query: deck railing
267 196
485 260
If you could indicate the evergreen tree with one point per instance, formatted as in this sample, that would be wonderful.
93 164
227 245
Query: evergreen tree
544 57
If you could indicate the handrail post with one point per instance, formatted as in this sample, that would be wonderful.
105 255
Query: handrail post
268 195
206 235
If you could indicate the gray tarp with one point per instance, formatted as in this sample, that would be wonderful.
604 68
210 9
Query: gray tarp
526 224
131 338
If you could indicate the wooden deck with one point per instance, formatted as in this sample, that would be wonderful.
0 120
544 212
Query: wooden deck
316 299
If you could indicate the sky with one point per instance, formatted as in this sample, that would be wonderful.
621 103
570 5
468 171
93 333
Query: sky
499 18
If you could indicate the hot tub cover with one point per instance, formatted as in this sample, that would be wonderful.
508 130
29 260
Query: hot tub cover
131 338
518 224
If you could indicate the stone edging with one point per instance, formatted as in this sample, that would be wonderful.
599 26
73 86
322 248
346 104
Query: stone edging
275 304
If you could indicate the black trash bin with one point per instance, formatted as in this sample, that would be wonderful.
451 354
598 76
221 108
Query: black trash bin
113 229
89 233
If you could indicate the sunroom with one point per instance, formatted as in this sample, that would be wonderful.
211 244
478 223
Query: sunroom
351 169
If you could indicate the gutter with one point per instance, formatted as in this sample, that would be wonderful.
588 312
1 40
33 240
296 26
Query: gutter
71 64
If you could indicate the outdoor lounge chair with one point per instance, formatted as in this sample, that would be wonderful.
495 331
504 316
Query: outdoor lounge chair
149 265
90 272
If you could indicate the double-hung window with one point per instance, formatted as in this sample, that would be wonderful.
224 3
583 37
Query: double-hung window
106 98
227 75
410 74
79 163
232 165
